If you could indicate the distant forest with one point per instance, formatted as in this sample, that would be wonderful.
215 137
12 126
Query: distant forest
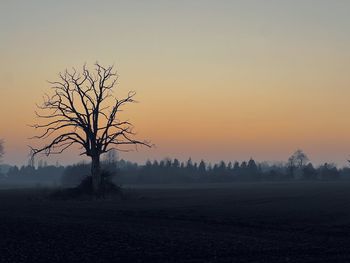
172 171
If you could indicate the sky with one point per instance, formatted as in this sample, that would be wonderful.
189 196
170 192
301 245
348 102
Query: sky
216 80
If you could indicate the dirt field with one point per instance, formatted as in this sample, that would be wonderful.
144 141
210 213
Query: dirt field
243 222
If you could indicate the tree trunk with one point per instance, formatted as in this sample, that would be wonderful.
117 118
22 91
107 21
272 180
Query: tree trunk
96 175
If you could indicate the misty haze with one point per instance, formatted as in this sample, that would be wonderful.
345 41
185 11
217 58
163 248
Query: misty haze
174 131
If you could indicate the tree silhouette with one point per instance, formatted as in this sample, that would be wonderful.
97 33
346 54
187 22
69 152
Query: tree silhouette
202 167
300 158
83 111
253 170
297 161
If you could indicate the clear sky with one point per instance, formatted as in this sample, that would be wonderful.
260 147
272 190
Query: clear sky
216 79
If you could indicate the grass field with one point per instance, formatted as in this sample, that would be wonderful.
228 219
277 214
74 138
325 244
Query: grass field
241 222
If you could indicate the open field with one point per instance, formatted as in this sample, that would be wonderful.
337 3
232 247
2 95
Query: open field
242 222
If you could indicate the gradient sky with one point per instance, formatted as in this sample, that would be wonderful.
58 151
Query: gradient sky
216 79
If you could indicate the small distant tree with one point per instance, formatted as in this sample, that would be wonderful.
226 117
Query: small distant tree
2 151
297 161
253 169
176 164
82 110
189 165
300 158
202 167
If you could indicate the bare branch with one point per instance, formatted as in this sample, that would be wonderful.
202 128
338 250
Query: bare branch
81 110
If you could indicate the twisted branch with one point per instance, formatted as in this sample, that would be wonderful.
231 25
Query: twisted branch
83 111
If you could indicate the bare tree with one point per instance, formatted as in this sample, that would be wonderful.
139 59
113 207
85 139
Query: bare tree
300 158
297 161
82 110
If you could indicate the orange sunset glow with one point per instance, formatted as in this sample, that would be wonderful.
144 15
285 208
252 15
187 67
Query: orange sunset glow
225 80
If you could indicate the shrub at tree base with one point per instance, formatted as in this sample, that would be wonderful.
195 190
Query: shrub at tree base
85 189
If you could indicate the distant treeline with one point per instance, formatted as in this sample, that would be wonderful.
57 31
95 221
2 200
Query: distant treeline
29 175
173 171
170 171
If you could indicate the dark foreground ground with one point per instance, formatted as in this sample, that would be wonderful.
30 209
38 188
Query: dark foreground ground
246 222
